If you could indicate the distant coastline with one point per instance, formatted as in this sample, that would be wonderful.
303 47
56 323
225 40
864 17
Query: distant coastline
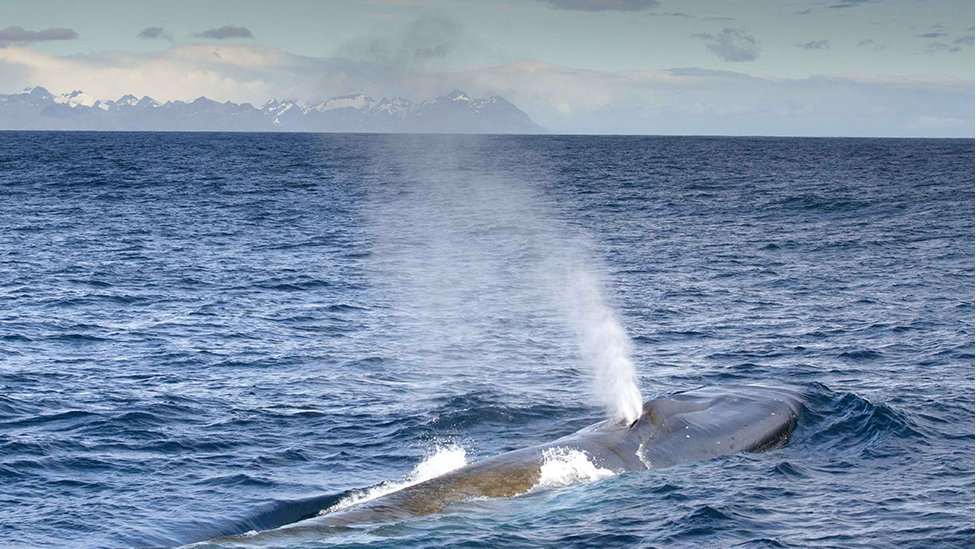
38 109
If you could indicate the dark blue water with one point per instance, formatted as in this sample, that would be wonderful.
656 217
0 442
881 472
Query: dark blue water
200 332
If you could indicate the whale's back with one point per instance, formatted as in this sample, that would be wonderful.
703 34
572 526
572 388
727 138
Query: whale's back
712 422
681 428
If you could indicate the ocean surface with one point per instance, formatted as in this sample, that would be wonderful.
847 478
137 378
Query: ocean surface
208 334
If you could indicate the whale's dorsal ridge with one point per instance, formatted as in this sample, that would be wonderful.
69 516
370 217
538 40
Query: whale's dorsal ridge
689 426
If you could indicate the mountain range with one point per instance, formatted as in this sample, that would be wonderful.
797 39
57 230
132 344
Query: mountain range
38 109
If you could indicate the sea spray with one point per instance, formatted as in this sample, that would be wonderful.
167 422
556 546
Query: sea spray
565 466
443 460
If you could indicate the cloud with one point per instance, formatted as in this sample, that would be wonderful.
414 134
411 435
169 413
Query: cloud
940 47
155 33
432 37
402 3
837 5
603 5
237 73
698 101
20 34
682 15
225 32
815 45
963 43
425 40
845 4
677 14
733 45
938 31
870 44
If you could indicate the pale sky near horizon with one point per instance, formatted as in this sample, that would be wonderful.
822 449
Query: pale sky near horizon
810 67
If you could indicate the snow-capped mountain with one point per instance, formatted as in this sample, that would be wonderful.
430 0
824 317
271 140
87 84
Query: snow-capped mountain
74 99
38 109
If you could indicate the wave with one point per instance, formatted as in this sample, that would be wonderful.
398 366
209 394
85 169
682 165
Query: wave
846 421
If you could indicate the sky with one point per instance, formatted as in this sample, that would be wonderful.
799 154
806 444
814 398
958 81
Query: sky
731 67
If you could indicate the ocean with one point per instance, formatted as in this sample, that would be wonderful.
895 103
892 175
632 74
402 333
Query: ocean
209 334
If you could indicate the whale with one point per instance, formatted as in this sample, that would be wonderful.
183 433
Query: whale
684 427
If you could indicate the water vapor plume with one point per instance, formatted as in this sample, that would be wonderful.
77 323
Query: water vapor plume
495 287
604 345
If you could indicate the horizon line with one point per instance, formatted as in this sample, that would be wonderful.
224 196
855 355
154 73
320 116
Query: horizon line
486 134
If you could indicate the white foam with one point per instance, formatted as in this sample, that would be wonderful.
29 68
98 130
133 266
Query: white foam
566 466
444 460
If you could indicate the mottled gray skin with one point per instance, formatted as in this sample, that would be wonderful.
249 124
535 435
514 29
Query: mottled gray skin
685 427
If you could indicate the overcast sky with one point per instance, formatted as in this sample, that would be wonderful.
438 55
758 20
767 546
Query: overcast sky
778 67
